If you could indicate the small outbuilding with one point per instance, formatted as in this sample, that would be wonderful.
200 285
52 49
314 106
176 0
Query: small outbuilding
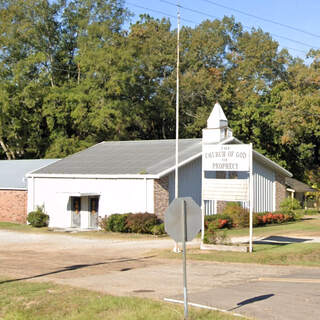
13 187
138 176
297 189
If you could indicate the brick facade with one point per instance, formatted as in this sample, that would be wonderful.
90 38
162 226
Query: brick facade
280 190
13 206
161 196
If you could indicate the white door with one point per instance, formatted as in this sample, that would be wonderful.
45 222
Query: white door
93 212
75 212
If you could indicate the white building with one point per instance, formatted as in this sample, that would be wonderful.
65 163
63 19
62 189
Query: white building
138 176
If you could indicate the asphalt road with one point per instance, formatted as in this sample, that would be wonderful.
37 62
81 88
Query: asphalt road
131 268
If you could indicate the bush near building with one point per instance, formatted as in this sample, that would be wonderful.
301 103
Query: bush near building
146 223
38 218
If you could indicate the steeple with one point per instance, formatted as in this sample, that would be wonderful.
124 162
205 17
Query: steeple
217 126
217 118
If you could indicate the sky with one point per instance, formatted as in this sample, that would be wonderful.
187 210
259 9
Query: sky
297 14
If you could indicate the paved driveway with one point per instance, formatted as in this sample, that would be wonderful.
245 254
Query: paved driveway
122 267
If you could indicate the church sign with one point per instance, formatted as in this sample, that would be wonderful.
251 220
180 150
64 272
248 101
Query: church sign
235 157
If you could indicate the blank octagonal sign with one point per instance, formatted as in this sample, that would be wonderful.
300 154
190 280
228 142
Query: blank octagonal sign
173 219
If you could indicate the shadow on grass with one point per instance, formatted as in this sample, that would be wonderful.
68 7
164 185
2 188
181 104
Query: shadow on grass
77 267
252 300
279 240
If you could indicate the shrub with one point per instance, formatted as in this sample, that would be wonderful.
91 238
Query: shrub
309 212
103 224
289 204
223 221
261 219
38 218
158 229
239 215
141 222
213 235
295 216
117 223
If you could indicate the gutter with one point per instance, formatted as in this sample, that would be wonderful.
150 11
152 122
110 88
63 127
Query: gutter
92 176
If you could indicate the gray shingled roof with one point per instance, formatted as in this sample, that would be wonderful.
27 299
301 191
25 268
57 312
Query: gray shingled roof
125 157
12 172
298 186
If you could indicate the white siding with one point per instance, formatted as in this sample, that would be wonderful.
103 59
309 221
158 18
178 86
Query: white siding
189 181
226 189
263 190
116 196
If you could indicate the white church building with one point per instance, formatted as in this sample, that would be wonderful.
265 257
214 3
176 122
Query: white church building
138 177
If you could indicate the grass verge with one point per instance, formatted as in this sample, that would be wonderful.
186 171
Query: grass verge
85 234
30 300
308 226
302 254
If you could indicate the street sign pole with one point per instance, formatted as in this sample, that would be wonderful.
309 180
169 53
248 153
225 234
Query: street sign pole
182 222
184 239
250 200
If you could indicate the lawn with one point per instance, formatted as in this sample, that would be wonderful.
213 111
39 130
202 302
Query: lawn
302 254
23 300
87 234
308 226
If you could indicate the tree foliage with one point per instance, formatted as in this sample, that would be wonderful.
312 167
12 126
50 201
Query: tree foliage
72 76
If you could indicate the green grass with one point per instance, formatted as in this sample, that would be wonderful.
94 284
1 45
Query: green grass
21 300
85 234
302 254
308 226
22 227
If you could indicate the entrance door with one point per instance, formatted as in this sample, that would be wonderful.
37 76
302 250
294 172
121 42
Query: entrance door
93 212
75 212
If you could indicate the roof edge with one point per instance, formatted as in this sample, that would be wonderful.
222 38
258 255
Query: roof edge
92 176
181 164
14 188
264 158
45 165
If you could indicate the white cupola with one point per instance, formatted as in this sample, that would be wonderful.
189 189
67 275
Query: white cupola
217 118
217 126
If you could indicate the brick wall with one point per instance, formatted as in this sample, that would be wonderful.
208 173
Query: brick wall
280 190
13 206
161 196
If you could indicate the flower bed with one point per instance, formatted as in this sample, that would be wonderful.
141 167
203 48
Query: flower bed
234 216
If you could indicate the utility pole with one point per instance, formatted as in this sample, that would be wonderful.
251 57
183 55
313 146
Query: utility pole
176 179
177 104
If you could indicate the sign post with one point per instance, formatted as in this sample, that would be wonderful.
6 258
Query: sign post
250 200
182 221
184 235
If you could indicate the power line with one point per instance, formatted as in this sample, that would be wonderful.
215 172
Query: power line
160 12
246 27
263 19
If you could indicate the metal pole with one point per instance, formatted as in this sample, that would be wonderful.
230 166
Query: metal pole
176 179
202 205
184 238
177 104
251 200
